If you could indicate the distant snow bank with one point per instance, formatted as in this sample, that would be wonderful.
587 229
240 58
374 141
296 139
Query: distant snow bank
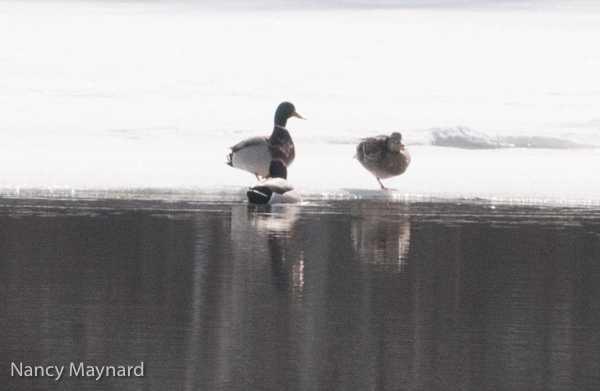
463 137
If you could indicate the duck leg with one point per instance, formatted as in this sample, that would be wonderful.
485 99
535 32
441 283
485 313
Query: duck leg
385 188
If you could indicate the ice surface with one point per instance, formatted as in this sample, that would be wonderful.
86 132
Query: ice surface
495 103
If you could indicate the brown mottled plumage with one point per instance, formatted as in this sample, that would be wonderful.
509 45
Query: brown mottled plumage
383 156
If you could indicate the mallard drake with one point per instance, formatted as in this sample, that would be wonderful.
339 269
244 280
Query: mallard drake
255 154
383 156
274 189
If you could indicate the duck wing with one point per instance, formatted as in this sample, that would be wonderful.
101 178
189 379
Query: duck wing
372 148
250 142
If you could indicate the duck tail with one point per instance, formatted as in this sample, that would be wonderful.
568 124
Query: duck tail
259 195
230 159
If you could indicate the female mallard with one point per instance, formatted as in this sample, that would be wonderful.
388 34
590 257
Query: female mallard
274 189
383 156
255 154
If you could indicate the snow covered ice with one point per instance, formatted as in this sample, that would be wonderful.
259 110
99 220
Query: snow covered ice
495 100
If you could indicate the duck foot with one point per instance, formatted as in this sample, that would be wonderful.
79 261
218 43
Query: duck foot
385 188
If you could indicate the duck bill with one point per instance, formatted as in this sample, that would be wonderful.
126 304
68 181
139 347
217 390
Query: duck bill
295 114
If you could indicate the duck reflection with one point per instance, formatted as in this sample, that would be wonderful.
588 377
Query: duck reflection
287 266
277 223
274 219
380 240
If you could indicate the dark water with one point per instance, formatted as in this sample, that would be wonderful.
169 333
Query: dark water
346 295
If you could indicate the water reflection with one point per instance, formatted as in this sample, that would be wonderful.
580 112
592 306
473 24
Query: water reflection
274 219
347 296
276 224
381 236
